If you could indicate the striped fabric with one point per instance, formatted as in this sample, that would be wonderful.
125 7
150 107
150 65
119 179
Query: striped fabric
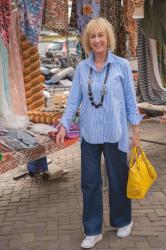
33 79
145 90
110 122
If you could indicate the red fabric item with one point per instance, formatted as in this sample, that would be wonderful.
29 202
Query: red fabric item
5 20
12 160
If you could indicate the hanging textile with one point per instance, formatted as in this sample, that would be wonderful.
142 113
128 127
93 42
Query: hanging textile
73 16
33 79
7 117
5 20
157 84
113 11
145 91
154 22
86 10
156 80
161 55
30 18
56 15
16 79
130 26
5 99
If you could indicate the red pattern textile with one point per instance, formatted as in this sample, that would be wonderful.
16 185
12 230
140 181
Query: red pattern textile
12 160
5 20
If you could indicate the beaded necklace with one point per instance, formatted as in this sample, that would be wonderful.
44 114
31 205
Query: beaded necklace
103 90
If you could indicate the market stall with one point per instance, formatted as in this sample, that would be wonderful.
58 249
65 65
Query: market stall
33 86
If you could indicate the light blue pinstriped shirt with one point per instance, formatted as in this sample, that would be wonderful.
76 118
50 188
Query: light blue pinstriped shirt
108 123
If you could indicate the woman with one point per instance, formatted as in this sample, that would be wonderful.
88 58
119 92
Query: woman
103 89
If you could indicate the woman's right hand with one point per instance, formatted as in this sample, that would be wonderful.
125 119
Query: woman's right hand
60 136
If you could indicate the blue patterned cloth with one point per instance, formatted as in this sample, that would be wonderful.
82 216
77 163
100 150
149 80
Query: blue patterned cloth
108 123
83 19
30 18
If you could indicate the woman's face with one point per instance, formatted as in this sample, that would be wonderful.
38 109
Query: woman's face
98 41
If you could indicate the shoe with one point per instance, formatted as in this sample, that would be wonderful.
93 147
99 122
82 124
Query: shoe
90 241
125 231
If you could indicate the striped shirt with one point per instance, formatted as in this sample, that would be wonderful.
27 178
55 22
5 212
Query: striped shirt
108 123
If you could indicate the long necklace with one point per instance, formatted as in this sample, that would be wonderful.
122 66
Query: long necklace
103 90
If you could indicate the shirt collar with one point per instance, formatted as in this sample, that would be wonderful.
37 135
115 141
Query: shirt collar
91 63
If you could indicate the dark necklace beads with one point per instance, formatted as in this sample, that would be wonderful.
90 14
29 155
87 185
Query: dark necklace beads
100 104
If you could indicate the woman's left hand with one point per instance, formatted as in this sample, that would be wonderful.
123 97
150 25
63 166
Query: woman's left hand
136 136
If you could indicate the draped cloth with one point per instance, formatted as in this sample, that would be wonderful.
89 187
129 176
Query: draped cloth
30 18
154 21
146 89
16 79
130 26
5 99
113 11
56 15
161 56
7 117
5 20
86 10
73 16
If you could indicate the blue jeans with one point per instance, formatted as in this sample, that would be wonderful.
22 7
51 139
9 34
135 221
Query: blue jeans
91 184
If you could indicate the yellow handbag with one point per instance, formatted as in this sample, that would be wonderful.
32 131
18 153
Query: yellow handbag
141 174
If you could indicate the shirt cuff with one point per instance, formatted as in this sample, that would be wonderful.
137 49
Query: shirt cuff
135 119
64 123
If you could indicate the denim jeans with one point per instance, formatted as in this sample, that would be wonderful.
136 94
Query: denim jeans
91 184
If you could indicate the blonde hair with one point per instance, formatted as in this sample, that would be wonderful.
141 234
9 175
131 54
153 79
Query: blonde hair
102 24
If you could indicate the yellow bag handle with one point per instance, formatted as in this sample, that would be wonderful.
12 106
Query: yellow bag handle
134 156
135 152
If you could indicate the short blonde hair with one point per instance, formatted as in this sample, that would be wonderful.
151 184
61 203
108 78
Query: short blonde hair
103 25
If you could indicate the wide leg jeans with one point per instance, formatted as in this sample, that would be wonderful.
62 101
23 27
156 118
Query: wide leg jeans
91 184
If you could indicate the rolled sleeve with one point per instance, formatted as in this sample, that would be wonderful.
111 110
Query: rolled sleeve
73 101
133 115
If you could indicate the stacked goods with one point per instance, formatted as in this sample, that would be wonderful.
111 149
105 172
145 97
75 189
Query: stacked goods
46 117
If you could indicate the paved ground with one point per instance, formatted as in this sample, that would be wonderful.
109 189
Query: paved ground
47 215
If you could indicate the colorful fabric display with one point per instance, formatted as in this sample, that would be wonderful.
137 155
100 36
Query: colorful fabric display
17 90
33 79
7 114
113 11
30 18
5 20
73 131
86 10
56 15
130 26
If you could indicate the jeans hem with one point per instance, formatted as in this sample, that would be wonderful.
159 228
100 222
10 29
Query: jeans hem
119 226
92 234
